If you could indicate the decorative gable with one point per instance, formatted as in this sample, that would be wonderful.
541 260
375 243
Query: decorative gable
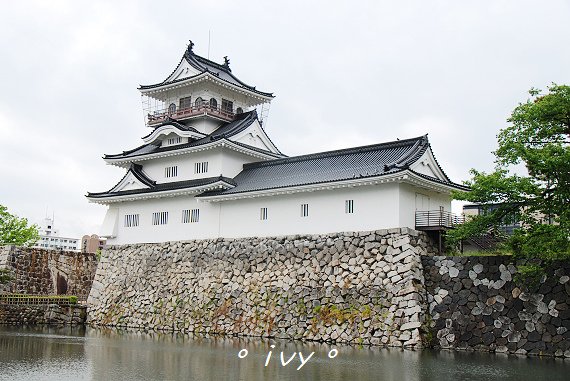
427 165
184 70
133 179
255 136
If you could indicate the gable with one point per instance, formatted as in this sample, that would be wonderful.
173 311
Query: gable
184 70
170 131
255 136
426 165
129 182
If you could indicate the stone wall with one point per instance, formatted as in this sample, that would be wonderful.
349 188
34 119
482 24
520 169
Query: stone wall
475 305
48 272
48 314
364 287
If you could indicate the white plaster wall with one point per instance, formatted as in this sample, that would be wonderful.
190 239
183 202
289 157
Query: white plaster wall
375 207
175 230
221 161
407 203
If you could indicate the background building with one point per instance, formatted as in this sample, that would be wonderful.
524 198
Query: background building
51 240
92 243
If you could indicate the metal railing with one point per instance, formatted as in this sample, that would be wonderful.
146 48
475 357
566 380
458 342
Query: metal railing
22 299
437 219
205 108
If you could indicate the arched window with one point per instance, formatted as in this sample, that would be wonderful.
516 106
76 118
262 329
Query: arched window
239 110
213 104
199 102
171 109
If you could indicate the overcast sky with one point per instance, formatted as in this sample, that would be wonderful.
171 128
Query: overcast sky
345 73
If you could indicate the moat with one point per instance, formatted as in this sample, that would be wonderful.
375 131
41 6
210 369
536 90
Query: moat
95 354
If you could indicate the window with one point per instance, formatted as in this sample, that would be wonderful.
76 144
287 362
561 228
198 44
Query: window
199 102
213 104
131 220
201 167
190 215
263 214
239 110
171 109
227 106
160 218
171 171
304 210
349 206
172 141
185 103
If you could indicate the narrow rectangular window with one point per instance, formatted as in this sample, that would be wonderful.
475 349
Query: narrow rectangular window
160 218
201 167
304 210
349 206
171 171
131 220
195 215
186 216
263 214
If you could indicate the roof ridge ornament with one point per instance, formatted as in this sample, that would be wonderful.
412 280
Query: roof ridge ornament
190 45
227 63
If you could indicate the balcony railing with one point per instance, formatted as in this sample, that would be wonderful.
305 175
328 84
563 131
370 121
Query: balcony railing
160 116
437 220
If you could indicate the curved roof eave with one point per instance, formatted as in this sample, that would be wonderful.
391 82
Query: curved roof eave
148 88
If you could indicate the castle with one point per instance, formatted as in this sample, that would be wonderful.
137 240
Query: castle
208 169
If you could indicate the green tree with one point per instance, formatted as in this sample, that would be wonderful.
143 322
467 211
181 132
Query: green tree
539 138
15 230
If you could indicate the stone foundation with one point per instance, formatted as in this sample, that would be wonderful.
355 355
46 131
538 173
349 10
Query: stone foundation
48 314
475 305
364 287
48 272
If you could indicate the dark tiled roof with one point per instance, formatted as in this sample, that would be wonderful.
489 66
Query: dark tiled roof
325 167
174 123
241 122
188 184
204 65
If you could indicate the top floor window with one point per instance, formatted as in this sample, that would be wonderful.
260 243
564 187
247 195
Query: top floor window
185 102
227 106
213 104
239 110
171 109
199 102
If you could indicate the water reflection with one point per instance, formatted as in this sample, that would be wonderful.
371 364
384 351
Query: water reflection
93 354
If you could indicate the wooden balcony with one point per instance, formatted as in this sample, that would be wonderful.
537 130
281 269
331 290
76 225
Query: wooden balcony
205 109
437 220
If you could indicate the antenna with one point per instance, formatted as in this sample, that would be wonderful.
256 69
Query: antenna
208 43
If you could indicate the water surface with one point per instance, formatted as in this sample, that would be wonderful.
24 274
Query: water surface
93 354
